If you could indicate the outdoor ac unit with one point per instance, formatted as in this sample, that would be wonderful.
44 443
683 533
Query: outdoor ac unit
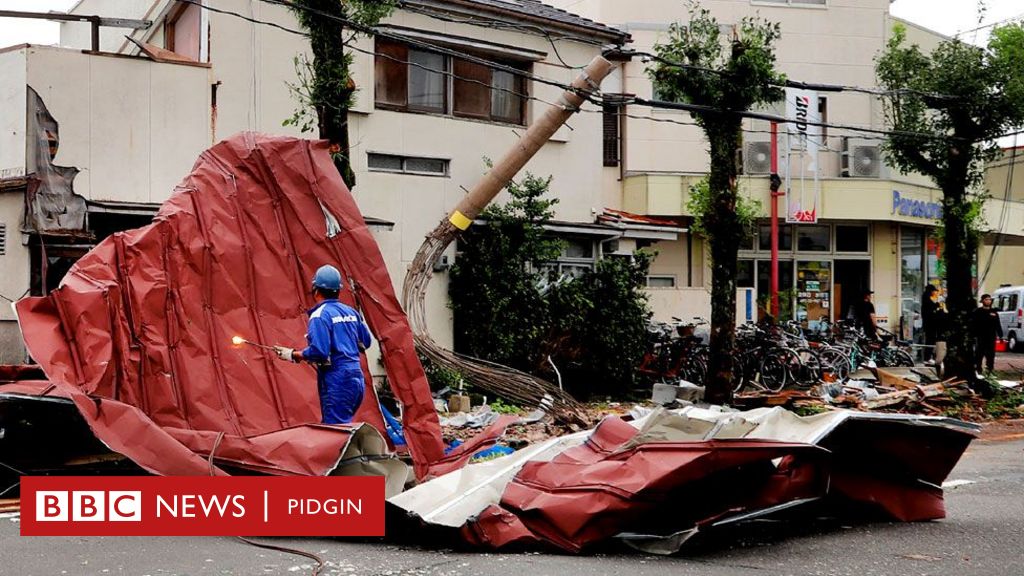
757 157
861 158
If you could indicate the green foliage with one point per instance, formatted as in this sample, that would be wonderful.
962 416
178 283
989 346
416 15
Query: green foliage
441 377
502 408
600 326
947 110
494 284
810 409
1006 404
699 204
509 309
696 65
961 97
324 89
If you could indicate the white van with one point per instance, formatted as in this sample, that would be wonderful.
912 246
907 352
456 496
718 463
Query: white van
1009 301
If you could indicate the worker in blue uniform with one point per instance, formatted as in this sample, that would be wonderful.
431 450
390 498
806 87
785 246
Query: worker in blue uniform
336 337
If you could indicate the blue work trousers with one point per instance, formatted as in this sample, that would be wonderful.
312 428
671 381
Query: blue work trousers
341 392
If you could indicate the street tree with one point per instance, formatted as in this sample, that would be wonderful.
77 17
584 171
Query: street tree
324 88
724 77
946 110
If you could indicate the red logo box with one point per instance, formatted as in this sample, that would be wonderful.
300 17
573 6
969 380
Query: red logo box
202 506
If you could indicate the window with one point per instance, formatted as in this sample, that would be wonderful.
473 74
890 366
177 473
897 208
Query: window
851 238
813 238
1008 303
578 249
407 164
577 258
419 81
183 32
661 281
612 150
765 237
427 90
745 274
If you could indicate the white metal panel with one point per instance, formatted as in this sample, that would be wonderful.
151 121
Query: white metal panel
179 124
12 120
62 78
120 129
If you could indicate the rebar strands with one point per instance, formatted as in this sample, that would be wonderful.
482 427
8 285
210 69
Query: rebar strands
501 380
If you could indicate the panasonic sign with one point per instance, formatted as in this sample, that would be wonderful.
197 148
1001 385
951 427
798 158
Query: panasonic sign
915 208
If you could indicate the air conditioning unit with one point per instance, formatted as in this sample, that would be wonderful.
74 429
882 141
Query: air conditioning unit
861 158
757 157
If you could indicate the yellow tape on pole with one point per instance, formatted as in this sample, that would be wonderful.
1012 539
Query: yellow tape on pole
459 220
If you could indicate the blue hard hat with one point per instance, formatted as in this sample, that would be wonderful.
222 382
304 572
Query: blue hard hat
327 278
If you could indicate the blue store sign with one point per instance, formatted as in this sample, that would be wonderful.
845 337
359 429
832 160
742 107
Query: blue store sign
915 208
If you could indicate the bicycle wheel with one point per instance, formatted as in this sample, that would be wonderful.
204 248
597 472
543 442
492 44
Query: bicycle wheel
898 357
810 368
695 371
775 370
740 371
835 361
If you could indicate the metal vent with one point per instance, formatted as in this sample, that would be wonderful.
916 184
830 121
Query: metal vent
757 158
3 239
861 160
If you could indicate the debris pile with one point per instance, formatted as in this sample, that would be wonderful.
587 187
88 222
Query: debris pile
658 480
900 390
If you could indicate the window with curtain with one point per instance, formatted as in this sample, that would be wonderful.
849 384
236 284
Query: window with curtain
414 80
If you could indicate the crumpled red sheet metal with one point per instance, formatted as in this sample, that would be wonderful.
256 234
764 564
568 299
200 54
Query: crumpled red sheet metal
657 482
590 493
139 332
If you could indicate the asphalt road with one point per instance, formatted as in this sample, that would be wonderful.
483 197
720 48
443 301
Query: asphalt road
983 535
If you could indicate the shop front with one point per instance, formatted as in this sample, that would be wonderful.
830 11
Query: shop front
824 269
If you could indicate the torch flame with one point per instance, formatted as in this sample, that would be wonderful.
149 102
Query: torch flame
238 340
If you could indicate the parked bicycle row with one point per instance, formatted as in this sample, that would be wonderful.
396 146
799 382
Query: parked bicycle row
772 357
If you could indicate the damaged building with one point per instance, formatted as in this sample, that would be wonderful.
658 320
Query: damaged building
131 118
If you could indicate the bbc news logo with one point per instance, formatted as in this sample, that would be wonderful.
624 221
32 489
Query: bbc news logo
89 506
202 506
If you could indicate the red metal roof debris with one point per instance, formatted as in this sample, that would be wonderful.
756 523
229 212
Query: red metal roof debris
621 217
139 332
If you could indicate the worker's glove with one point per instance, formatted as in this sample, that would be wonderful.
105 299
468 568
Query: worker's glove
285 353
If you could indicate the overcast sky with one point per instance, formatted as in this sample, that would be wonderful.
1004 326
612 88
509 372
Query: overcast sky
953 17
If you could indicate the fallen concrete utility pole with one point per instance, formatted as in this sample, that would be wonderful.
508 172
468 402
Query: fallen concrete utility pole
506 382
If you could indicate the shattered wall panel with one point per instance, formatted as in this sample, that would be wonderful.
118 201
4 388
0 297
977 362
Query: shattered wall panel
51 203
145 320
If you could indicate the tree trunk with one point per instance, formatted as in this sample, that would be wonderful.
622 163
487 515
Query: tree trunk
959 249
725 233
334 129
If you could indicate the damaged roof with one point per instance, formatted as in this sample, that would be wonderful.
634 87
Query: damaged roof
527 10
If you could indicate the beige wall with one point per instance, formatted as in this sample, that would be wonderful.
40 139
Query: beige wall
13 71
14 280
1006 175
133 127
251 65
1007 265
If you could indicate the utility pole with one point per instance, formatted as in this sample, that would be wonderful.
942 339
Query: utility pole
776 184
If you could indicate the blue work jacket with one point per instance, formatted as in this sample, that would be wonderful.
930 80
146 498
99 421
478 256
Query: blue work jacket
336 333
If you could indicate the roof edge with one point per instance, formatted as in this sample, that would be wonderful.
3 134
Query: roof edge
597 29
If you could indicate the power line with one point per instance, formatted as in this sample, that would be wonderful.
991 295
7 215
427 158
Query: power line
701 109
372 31
495 24
989 25
590 97
795 84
